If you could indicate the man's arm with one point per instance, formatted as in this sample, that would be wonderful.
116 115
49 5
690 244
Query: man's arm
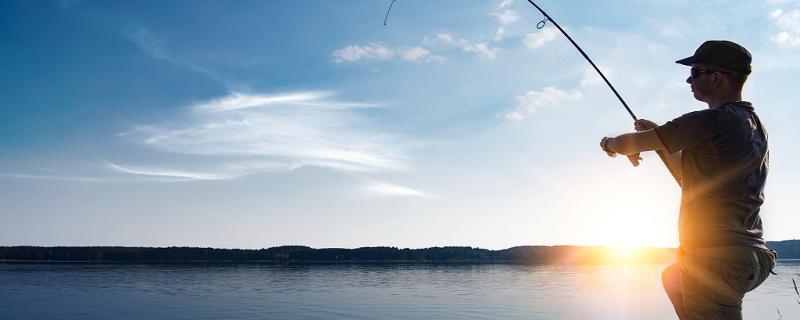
634 142
637 142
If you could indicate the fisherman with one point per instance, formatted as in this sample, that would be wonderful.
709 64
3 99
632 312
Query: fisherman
720 157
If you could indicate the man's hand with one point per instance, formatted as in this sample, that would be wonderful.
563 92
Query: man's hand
644 125
634 159
640 125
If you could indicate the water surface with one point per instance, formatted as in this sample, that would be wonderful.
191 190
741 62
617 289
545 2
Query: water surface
357 291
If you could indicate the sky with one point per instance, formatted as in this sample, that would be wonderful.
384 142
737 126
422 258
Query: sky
252 124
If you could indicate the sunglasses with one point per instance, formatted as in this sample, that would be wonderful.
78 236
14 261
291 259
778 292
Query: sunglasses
695 72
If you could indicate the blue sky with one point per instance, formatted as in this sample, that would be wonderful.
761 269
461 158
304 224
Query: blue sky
261 123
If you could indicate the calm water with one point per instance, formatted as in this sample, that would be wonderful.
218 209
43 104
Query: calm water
252 291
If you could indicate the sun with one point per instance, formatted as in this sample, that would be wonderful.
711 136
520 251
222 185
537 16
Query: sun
624 253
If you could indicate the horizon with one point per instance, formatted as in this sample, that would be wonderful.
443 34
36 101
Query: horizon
359 247
237 125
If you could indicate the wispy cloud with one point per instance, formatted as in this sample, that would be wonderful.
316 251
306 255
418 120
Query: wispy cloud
789 24
537 39
148 42
155 46
532 100
242 138
388 189
238 100
222 172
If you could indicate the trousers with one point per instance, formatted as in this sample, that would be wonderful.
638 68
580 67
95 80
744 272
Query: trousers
710 283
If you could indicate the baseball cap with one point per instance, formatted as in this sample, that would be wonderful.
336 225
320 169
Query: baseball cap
726 54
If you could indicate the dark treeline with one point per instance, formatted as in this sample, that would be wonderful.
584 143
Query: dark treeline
523 254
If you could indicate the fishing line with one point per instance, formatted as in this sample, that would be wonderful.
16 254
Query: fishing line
332 192
541 25
387 12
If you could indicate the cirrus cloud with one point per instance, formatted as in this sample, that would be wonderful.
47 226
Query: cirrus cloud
388 189
243 134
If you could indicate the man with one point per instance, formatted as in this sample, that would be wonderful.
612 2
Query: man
720 156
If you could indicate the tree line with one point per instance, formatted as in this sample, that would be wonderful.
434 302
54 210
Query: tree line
522 254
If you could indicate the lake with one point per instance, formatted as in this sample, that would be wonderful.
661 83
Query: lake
357 291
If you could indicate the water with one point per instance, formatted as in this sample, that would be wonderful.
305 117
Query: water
377 291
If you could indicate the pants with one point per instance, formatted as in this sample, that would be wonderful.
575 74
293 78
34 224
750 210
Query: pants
709 283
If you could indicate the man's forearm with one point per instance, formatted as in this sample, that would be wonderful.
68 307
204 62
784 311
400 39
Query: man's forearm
635 142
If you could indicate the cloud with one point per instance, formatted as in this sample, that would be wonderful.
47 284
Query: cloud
376 52
500 34
482 49
506 16
240 137
169 173
784 39
444 38
394 190
591 78
241 101
419 54
147 42
532 100
447 40
222 172
355 53
155 46
789 25
540 38
237 100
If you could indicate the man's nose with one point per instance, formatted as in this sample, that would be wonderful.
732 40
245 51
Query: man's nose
689 80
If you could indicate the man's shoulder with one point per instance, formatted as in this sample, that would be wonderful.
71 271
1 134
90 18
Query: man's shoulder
698 115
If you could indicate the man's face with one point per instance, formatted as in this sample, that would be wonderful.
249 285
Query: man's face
701 81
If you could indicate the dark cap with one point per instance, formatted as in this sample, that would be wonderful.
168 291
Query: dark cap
722 53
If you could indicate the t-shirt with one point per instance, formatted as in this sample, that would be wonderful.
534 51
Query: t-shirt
724 162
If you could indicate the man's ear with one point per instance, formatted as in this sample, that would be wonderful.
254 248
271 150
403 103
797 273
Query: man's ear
718 79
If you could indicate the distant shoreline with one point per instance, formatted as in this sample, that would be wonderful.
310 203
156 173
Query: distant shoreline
789 249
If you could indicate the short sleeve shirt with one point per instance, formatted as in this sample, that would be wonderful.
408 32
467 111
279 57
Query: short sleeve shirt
724 164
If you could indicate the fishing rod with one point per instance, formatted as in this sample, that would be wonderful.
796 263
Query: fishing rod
541 25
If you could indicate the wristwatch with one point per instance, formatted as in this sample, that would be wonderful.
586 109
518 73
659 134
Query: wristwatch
605 146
